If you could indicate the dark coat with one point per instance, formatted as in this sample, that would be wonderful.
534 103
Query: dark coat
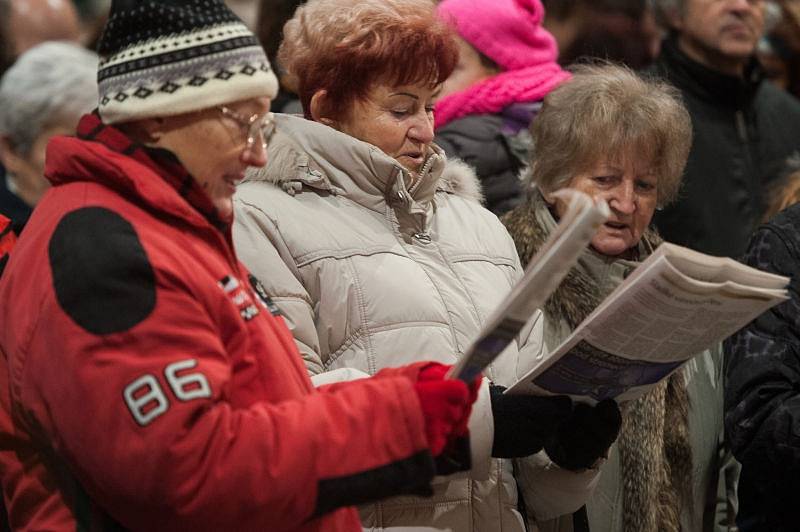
497 147
762 395
12 207
744 130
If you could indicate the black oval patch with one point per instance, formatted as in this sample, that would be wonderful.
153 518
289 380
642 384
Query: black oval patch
101 275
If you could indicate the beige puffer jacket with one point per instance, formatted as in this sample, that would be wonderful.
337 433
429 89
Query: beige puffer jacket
365 283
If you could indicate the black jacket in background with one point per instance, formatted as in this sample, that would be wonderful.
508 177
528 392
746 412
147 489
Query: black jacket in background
744 130
762 392
12 207
497 147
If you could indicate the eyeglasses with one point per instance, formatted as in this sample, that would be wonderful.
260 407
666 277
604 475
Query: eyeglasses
254 126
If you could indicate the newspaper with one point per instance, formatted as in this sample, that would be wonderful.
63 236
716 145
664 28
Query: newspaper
675 305
542 276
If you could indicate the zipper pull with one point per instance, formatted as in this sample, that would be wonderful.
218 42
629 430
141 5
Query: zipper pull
422 237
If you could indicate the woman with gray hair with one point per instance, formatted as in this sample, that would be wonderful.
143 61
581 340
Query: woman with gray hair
43 94
623 139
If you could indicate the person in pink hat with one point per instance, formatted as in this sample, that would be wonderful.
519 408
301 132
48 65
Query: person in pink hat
507 65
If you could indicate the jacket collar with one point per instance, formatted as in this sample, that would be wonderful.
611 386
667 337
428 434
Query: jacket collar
304 153
707 84
155 177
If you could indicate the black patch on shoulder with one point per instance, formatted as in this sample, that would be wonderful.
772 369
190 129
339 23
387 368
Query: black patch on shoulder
262 294
101 274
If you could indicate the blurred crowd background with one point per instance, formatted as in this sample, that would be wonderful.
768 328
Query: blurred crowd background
620 30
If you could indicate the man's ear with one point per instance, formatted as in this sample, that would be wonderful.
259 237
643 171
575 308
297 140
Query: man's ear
10 159
147 131
319 108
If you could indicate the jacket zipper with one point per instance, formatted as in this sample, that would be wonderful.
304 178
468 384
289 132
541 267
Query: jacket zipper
422 236
426 167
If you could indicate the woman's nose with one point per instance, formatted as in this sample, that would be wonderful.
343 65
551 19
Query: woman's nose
422 129
623 199
255 155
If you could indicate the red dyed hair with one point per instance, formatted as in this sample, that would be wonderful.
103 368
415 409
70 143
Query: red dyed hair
347 46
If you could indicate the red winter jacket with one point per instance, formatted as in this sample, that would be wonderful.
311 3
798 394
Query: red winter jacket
144 383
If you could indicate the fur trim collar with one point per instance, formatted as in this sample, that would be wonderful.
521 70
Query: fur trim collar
460 179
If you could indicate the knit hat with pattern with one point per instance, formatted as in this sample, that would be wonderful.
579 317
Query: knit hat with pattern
167 57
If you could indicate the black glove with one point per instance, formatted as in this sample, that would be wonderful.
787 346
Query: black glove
585 436
522 423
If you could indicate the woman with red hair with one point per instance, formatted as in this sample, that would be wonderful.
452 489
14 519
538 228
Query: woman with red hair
377 251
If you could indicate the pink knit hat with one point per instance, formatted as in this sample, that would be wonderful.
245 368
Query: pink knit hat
509 32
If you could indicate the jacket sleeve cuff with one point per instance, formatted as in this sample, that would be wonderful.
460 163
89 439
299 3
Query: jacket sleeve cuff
481 424
337 375
550 491
481 434
481 437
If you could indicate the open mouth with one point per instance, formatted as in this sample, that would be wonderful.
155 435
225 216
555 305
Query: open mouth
232 180
616 226
417 157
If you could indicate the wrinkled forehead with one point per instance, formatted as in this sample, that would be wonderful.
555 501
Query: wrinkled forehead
638 151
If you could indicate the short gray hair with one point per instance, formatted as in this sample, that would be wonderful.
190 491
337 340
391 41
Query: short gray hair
607 113
48 83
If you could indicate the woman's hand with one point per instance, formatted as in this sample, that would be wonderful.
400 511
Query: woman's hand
574 436
523 423
585 436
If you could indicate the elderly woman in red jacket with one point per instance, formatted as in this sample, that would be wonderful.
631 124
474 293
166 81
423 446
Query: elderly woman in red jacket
146 380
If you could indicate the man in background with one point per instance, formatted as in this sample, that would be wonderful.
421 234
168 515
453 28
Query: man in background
23 25
744 127
26 23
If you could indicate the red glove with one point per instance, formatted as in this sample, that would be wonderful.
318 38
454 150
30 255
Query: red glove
446 405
